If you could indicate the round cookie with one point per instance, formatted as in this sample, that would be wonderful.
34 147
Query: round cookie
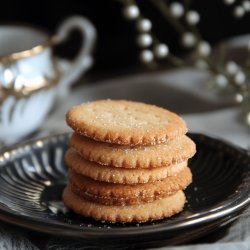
156 210
125 122
123 194
175 151
119 175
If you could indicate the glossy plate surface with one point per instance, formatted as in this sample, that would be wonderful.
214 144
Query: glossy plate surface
33 175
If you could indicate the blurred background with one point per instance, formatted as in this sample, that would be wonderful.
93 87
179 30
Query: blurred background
116 52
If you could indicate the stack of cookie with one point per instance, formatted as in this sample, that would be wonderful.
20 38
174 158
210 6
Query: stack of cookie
127 161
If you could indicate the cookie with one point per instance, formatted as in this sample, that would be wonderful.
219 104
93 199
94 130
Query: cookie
156 210
119 175
173 152
125 122
124 194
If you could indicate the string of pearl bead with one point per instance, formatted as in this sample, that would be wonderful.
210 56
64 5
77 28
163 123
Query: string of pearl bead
239 10
152 50
145 39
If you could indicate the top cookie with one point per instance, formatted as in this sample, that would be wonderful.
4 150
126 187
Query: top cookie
125 122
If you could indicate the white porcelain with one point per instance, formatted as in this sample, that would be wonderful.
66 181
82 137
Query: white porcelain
20 117
32 77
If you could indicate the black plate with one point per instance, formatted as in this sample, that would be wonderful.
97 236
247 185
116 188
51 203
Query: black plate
33 175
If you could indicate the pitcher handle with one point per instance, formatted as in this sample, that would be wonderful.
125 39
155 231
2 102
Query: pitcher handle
73 69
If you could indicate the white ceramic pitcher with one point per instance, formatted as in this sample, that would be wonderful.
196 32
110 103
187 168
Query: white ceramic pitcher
31 76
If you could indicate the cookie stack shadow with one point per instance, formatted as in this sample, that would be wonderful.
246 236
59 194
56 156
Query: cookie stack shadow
137 181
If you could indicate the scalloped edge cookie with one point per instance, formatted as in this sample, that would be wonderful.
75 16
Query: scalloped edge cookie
156 210
119 175
125 122
125 194
173 152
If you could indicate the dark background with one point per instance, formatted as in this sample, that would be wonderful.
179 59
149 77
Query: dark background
116 50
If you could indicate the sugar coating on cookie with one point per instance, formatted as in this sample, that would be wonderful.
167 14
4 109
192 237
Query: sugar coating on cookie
119 175
173 152
125 122
156 210
125 194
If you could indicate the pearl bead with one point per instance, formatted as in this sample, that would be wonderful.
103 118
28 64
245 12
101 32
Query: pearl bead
131 12
229 2
221 81
192 17
161 50
204 48
247 118
144 40
238 97
144 25
246 5
240 78
146 56
239 11
231 68
188 40
176 9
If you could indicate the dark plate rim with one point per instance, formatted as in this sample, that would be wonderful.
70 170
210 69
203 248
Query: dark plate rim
197 219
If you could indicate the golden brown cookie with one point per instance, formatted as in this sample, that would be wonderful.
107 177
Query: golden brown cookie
156 210
176 151
119 175
124 194
125 122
